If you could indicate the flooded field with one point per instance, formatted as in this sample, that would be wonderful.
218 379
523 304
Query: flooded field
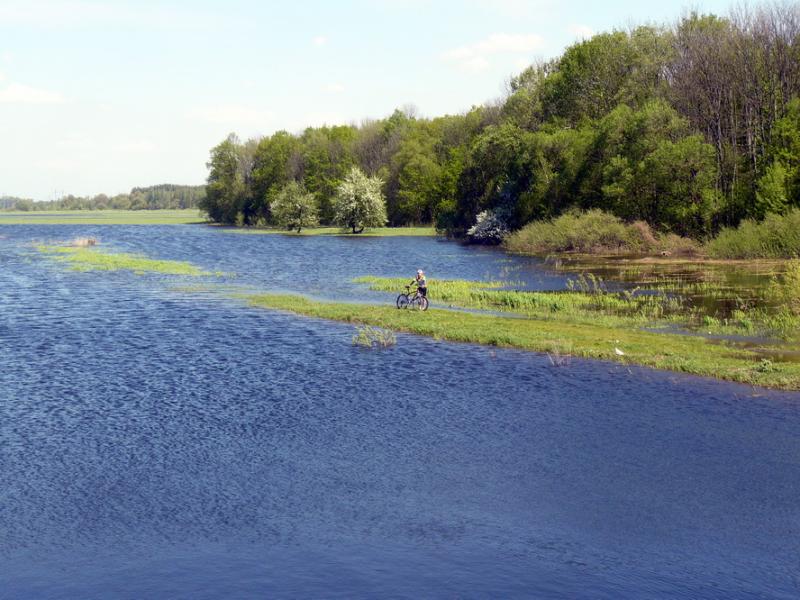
157 441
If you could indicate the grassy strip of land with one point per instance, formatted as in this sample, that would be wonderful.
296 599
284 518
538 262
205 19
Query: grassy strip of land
661 351
93 259
338 231
103 217
590 303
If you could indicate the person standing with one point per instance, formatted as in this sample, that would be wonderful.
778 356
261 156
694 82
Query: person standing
421 283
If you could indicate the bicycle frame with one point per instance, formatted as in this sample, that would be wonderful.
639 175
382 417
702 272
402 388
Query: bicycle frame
414 299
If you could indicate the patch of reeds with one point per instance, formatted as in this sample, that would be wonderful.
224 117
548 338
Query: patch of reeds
785 287
777 236
374 337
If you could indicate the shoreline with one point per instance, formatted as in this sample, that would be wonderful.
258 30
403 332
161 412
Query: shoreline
336 231
662 351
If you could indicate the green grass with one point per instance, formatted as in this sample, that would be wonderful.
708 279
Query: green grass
588 303
591 340
103 217
93 259
338 231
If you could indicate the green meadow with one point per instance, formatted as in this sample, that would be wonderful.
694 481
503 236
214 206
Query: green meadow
103 217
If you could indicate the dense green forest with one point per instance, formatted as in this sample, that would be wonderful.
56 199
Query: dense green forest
164 196
689 127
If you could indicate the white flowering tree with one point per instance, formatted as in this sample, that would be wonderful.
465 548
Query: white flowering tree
488 229
359 202
294 207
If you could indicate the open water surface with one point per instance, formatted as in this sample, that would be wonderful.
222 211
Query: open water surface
163 444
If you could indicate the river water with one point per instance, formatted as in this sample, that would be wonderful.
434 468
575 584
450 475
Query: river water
158 443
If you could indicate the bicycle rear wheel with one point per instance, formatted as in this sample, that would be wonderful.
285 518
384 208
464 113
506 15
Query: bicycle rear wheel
423 303
402 301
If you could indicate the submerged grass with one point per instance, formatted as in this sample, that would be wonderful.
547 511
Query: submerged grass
337 231
373 337
93 259
597 340
103 217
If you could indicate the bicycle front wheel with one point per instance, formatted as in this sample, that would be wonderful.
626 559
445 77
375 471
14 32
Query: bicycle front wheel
402 301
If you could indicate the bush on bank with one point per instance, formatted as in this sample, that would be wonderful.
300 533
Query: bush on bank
598 232
595 232
777 236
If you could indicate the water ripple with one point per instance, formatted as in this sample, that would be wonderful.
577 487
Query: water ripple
156 443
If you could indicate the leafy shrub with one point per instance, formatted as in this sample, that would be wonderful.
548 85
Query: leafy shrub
489 228
766 366
593 231
676 245
645 233
777 236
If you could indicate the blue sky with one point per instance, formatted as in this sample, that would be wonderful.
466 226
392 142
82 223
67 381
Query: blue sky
102 96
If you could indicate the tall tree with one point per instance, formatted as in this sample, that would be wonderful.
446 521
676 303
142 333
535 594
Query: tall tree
294 208
359 202
225 191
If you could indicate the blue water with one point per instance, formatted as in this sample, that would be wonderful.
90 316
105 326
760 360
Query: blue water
156 443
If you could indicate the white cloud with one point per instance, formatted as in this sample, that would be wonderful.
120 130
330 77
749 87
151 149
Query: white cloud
2 77
475 64
136 146
320 40
334 88
475 57
577 30
232 115
18 93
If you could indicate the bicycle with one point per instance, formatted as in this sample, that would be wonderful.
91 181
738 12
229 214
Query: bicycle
415 300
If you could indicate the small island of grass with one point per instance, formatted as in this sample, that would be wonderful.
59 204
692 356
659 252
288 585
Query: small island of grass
94 259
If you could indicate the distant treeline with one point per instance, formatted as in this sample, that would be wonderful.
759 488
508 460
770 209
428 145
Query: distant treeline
164 196
690 128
